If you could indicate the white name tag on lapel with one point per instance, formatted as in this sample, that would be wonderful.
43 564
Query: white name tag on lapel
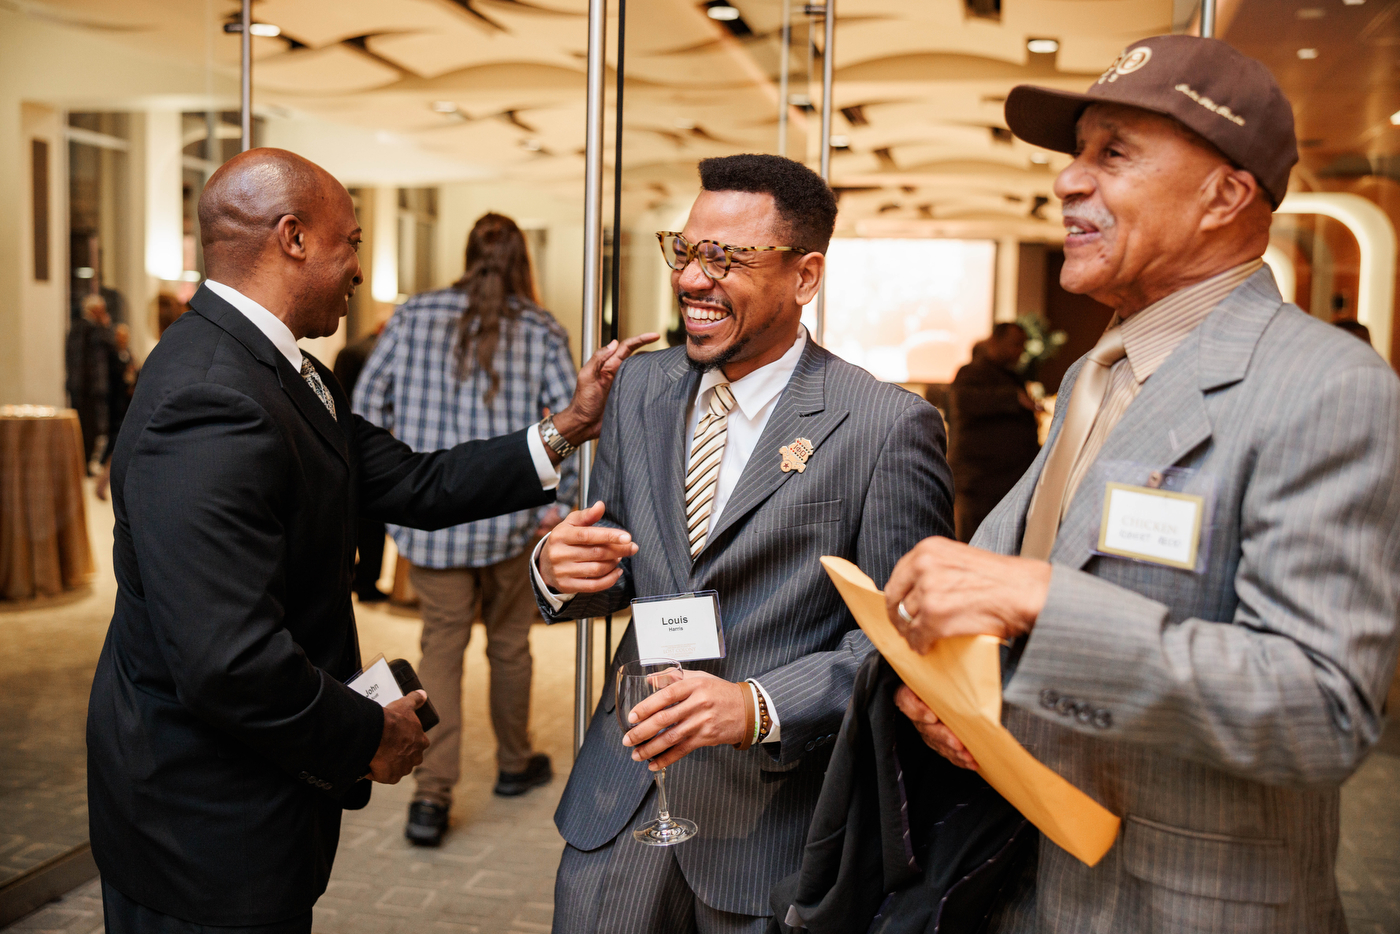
682 626
1156 526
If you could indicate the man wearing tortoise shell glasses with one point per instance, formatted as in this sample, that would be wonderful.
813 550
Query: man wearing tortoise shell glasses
732 464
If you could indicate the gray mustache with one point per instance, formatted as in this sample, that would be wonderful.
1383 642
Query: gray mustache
1093 217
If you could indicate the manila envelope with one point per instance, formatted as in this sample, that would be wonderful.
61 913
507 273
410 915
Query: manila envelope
960 680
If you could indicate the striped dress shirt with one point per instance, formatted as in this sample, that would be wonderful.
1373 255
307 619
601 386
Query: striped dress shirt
410 386
1149 337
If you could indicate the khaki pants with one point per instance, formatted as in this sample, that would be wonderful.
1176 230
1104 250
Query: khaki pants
448 600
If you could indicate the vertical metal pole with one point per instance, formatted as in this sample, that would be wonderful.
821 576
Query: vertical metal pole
828 69
245 90
1208 19
592 316
783 68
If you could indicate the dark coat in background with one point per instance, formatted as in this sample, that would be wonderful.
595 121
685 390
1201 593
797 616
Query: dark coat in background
87 356
222 743
994 439
902 842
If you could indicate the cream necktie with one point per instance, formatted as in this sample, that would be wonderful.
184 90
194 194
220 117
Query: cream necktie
1043 518
308 373
702 474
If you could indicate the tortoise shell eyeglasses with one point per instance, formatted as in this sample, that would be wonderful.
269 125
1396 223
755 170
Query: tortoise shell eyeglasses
714 257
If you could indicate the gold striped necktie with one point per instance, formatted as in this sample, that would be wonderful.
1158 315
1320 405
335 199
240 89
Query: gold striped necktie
313 379
702 475
1047 508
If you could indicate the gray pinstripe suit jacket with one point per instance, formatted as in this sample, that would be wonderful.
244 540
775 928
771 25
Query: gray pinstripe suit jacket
876 485
1219 712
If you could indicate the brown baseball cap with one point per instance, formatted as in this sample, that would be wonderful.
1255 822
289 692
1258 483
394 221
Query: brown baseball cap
1228 98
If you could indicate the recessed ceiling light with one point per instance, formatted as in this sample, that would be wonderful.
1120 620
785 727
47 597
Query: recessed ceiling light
533 145
1307 54
1395 118
684 124
1043 46
1353 2
444 107
725 14
1040 158
1311 12
840 142
266 30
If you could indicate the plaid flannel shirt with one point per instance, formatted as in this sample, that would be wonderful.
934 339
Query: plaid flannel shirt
409 386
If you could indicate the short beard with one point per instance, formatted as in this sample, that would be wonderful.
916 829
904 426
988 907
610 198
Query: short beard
724 358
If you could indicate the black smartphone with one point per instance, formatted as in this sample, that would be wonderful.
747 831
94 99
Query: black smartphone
408 681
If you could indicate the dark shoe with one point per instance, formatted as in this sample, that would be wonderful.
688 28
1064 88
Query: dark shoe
427 822
373 595
537 772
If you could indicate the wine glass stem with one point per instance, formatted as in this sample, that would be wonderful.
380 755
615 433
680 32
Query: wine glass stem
665 815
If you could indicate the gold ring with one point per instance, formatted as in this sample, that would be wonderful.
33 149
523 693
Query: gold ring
904 614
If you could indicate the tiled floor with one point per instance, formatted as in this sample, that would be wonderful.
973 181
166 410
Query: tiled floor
495 872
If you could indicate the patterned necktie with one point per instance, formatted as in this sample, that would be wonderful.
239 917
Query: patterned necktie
313 379
701 477
1043 518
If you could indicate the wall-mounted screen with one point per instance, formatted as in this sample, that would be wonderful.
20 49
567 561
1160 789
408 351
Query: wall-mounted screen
908 310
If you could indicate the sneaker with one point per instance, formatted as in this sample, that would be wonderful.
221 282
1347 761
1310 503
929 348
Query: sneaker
427 822
537 772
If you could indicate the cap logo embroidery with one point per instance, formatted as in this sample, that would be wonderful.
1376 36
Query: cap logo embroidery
1127 62
1211 105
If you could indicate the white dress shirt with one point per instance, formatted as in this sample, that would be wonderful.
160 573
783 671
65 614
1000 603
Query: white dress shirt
755 397
285 341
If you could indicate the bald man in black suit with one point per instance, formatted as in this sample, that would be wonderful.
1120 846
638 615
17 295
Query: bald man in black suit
222 741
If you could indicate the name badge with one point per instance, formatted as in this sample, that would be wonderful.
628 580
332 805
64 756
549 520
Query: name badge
1153 525
682 626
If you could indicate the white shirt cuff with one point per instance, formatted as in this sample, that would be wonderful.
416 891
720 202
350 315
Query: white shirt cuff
556 601
549 477
775 734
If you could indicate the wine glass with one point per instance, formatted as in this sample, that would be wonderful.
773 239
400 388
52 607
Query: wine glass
635 682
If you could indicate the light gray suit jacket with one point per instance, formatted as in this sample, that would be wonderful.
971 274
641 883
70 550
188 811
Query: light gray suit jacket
876 485
1218 712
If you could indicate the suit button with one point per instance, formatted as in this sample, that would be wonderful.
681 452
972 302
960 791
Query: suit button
304 776
1065 706
1049 698
1083 713
811 744
1103 718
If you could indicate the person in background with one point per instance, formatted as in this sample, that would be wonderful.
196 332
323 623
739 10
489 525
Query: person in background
994 436
1210 666
1354 328
168 308
369 533
88 354
121 383
470 361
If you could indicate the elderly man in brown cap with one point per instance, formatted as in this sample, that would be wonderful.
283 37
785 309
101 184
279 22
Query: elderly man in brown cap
1197 575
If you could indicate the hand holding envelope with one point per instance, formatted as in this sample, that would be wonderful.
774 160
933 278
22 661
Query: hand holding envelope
959 678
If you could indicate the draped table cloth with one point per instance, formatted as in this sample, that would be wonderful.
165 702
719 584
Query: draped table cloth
44 547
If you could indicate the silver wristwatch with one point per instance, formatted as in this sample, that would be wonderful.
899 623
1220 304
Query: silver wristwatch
554 440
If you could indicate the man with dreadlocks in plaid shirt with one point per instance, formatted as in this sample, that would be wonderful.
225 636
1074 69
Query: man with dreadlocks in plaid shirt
476 360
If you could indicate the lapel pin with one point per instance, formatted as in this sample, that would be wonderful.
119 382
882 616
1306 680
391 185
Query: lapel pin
795 455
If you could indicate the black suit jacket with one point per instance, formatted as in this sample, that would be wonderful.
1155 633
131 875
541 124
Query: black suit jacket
222 743
901 842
